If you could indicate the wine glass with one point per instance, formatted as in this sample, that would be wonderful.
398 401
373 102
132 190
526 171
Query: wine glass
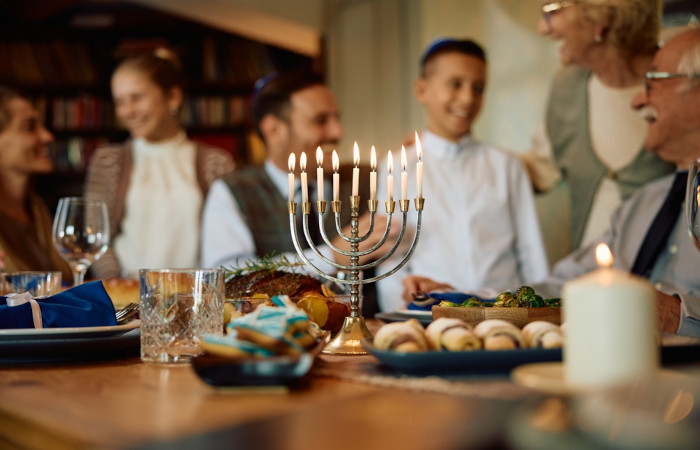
80 233
692 202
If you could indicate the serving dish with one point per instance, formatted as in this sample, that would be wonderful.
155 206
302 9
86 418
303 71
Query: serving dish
434 361
517 316
227 371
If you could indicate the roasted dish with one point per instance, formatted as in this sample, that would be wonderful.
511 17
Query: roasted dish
255 283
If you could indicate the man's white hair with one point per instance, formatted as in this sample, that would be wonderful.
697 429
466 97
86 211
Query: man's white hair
690 64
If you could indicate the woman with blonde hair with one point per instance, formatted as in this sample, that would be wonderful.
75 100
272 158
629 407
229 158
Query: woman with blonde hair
154 184
591 136
25 221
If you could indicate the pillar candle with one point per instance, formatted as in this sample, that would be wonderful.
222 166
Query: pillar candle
304 183
404 175
610 326
390 177
373 175
290 177
319 173
356 169
419 169
336 176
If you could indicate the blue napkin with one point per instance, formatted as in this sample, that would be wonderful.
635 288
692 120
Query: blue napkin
455 297
87 305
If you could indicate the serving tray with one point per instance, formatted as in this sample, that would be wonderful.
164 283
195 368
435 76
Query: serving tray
517 316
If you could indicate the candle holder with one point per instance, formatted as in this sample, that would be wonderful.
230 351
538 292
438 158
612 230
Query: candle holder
347 341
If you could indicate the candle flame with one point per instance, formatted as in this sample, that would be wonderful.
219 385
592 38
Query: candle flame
356 155
292 162
603 255
302 162
419 148
319 156
373 159
403 158
336 161
390 162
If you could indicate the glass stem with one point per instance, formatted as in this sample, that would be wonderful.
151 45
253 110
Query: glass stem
78 276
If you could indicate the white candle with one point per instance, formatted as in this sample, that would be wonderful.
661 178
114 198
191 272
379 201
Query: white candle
404 175
356 169
336 176
373 175
419 169
319 173
610 322
290 177
304 184
390 177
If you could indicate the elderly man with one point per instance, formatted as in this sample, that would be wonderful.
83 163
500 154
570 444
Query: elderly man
647 234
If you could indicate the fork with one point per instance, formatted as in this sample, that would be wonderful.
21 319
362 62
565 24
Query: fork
127 313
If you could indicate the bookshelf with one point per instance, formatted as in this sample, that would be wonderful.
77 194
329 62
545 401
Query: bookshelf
64 61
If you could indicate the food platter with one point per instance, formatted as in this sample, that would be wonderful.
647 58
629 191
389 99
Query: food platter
516 316
227 371
476 360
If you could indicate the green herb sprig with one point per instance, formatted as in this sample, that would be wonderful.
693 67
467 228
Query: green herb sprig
269 262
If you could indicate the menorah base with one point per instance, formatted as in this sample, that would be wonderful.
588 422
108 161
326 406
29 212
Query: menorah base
348 340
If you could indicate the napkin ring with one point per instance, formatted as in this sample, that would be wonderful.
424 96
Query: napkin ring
20 299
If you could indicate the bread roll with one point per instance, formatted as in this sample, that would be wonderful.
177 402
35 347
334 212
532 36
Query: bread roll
542 334
405 336
497 334
451 334
122 291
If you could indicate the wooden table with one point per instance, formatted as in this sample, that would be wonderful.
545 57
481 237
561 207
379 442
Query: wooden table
128 404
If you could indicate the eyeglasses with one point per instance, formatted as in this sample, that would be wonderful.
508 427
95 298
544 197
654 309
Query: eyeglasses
654 76
548 9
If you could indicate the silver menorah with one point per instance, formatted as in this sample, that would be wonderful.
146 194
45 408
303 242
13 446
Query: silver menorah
348 339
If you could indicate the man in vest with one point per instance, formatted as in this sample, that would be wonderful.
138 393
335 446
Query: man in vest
245 213
647 233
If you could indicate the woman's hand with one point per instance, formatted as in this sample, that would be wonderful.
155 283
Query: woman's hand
414 284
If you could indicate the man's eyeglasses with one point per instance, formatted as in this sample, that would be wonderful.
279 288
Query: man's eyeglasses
548 9
653 76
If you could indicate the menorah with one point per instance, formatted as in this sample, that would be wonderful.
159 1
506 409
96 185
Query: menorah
348 340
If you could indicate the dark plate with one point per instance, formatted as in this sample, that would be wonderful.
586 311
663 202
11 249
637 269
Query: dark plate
55 350
675 350
401 317
477 360
226 371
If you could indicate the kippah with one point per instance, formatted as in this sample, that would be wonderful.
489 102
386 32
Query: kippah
434 46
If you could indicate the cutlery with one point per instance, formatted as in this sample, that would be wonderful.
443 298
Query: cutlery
127 313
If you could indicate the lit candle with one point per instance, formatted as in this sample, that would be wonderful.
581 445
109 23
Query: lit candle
336 176
610 322
390 177
292 162
356 169
304 184
419 169
319 173
373 174
404 175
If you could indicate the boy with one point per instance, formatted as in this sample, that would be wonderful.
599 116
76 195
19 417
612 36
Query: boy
479 225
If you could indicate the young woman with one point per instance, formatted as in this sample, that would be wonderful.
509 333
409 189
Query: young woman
25 221
154 183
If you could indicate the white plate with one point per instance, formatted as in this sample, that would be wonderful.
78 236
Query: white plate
67 333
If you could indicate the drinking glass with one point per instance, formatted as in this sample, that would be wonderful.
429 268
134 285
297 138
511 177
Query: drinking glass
80 233
179 307
692 202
